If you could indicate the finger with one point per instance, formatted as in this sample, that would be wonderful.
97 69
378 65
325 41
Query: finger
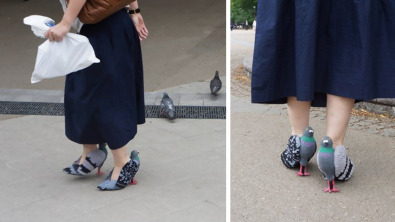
141 37
50 37
145 30
58 38
46 34
143 33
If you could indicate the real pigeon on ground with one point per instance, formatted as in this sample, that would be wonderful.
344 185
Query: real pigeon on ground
167 107
308 147
215 84
326 163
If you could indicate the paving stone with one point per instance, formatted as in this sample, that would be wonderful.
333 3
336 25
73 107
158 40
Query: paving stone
195 190
212 100
37 189
244 105
47 210
150 98
196 99
196 127
211 211
389 133
125 210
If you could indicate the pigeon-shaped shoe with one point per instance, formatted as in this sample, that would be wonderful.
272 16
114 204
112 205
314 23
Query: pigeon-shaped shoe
291 155
167 107
93 159
215 84
326 163
344 167
308 147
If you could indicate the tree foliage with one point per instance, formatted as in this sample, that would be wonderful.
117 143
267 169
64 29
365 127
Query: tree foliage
242 10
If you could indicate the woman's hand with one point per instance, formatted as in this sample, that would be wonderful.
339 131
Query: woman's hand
57 32
140 26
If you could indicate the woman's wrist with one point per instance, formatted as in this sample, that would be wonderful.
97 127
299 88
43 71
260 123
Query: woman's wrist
133 6
66 22
134 12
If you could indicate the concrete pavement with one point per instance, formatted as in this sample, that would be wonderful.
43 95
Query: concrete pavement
263 189
242 46
182 175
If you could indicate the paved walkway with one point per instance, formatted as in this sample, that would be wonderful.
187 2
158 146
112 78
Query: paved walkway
182 175
262 189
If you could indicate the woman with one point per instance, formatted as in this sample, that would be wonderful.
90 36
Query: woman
104 103
323 53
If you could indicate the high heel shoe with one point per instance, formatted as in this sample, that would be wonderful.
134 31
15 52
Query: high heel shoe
93 159
126 176
291 155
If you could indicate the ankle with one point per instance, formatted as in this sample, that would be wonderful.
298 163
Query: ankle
87 148
122 162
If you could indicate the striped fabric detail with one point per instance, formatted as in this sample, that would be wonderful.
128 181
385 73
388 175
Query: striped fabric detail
347 171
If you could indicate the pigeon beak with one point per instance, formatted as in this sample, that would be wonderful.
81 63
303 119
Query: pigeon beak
311 132
325 142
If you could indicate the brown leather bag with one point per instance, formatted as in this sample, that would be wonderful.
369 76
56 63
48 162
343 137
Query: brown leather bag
96 10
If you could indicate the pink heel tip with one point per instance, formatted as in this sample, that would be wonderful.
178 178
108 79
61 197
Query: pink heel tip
134 182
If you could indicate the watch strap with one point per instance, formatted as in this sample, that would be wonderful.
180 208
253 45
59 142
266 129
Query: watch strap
135 11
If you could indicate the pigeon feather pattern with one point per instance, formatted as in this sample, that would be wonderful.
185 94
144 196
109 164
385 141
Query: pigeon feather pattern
215 84
167 107
344 167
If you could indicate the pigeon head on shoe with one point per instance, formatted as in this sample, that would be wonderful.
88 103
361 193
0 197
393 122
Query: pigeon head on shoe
327 142
308 132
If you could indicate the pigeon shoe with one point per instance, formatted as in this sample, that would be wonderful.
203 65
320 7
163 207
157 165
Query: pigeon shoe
291 155
126 176
93 160
344 167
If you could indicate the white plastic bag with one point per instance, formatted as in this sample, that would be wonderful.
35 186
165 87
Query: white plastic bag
59 58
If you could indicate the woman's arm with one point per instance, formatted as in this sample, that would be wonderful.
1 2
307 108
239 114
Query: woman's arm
57 32
139 22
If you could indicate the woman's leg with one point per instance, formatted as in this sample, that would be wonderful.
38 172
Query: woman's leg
298 113
87 148
338 114
120 159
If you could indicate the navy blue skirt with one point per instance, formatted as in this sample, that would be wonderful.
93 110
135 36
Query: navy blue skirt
310 48
105 102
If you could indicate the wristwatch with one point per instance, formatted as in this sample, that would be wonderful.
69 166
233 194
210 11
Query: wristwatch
131 12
